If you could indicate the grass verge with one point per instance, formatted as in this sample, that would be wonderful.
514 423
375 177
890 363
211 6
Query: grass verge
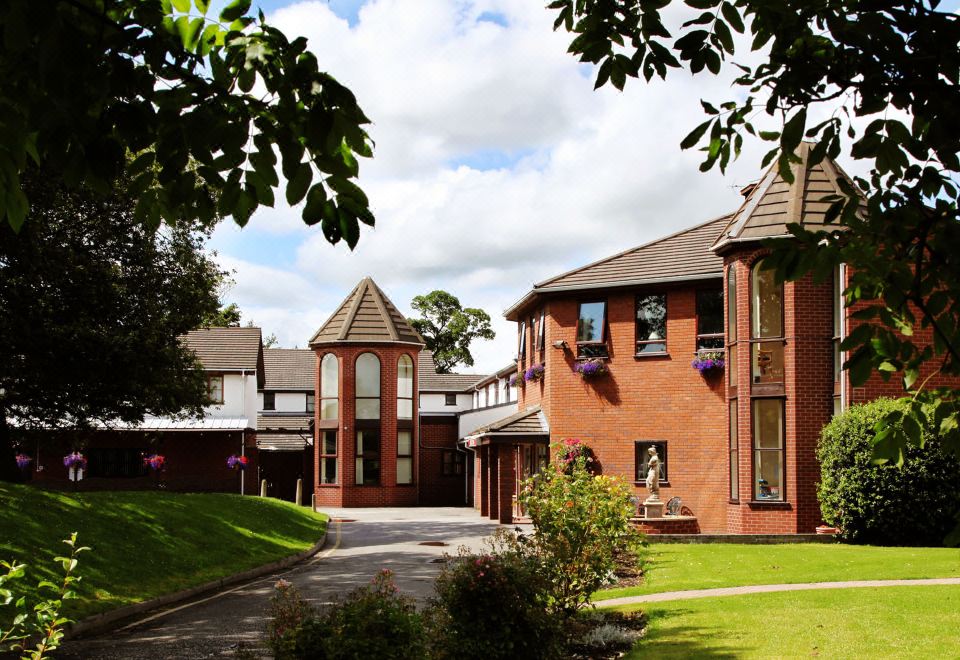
145 544
677 567
888 622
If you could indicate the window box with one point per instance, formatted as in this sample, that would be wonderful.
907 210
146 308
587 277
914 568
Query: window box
592 368
709 362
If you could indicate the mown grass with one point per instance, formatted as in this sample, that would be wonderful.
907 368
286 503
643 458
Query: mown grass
692 566
144 544
888 622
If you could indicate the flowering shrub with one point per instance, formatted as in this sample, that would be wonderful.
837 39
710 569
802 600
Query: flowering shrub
23 461
573 449
581 524
237 462
493 606
155 461
534 372
288 611
708 361
75 460
591 368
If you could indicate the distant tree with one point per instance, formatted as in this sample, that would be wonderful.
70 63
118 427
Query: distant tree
91 306
227 316
448 328
271 341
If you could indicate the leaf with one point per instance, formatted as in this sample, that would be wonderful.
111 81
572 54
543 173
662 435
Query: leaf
182 6
859 365
694 137
313 212
234 10
793 131
732 16
299 184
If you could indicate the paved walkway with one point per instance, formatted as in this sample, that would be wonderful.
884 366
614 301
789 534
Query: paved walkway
376 538
767 588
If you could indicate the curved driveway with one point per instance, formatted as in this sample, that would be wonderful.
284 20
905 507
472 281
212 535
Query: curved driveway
214 626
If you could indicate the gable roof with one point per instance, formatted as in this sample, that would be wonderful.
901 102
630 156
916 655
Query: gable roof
227 349
526 422
431 381
773 203
366 316
682 256
289 369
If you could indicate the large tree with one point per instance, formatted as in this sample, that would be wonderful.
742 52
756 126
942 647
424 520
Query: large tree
448 328
204 103
91 306
883 80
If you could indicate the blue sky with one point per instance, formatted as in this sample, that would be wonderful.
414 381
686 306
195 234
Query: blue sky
496 164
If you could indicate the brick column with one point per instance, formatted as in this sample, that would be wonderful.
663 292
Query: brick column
484 477
506 481
493 489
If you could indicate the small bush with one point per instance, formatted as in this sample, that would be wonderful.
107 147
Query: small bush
493 606
915 504
287 613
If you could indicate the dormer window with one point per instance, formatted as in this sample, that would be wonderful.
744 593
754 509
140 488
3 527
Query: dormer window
651 324
592 330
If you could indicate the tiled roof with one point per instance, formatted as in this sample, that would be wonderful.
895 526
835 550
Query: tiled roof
226 349
282 442
682 256
289 369
526 422
499 373
773 203
287 422
366 315
189 424
431 381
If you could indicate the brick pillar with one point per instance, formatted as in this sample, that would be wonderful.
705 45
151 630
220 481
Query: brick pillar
484 477
493 489
506 481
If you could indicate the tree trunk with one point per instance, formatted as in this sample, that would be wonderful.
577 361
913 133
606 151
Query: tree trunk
8 463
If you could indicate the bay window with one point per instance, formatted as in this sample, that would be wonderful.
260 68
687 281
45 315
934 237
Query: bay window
766 329
367 396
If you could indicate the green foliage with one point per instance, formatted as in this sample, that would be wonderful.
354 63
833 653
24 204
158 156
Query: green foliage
581 524
43 621
204 103
494 606
891 67
227 316
448 328
879 504
287 614
374 621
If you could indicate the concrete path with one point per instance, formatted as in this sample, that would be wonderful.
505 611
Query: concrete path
767 588
374 539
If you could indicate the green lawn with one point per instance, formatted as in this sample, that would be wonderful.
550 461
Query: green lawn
145 544
675 567
889 622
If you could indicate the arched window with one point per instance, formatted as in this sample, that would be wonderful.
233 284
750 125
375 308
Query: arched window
766 326
404 387
367 383
329 387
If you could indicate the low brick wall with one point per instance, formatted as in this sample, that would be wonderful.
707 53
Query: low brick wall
752 539
670 525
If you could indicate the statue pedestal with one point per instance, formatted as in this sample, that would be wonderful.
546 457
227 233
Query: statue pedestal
653 507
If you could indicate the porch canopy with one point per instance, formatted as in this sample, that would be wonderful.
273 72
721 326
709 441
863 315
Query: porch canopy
497 445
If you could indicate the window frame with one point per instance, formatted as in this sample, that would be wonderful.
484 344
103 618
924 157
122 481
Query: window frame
336 397
324 456
357 398
310 402
779 341
408 456
636 330
452 468
706 336
404 421
837 313
732 350
640 448
210 379
755 450
272 401
733 434
447 396
522 343
593 349
542 332
360 457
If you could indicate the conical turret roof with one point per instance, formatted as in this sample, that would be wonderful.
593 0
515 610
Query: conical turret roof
367 316
773 203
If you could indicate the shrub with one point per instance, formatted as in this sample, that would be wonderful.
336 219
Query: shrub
493 606
287 613
581 524
915 504
374 621
573 449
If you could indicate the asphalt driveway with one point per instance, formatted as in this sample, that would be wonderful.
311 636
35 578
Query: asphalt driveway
367 541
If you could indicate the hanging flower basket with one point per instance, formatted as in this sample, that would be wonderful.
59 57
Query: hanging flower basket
534 372
513 380
709 362
76 460
23 461
592 368
235 462
155 462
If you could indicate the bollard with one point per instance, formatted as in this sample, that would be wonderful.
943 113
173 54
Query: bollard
263 488
299 499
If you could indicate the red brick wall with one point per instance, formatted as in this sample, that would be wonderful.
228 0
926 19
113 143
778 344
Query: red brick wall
436 489
346 493
648 398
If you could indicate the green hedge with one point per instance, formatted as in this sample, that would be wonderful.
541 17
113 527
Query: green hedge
915 504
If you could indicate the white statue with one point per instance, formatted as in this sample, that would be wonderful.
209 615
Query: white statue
653 474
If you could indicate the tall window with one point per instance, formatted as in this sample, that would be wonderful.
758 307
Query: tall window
404 457
328 457
405 387
329 386
710 319
311 402
215 388
367 384
652 324
768 450
269 400
522 344
642 458
592 330
541 331
734 453
837 330
766 327
732 325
